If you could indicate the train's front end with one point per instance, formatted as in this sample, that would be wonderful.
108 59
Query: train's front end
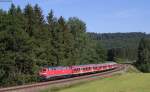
43 73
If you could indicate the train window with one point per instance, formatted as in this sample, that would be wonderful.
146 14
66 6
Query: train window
68 68
49 69
44 70
53 68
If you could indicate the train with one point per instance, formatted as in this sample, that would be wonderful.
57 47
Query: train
64 71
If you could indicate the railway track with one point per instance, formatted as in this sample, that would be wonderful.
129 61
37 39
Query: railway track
40 86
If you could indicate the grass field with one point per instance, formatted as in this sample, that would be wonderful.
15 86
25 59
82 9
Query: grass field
131 82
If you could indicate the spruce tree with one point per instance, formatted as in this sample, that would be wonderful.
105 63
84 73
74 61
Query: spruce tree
30 19
143 62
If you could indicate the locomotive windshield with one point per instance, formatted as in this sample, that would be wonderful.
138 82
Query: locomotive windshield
43 70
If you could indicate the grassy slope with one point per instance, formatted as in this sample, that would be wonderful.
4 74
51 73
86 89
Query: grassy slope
132 69
131 82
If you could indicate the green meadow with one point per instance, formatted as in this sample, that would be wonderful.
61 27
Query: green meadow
131 82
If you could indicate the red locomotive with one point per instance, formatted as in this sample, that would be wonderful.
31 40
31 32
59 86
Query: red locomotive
52 72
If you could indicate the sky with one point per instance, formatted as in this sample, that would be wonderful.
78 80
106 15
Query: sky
101 16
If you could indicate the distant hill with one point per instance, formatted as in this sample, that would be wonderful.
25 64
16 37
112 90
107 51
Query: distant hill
118 40
120 45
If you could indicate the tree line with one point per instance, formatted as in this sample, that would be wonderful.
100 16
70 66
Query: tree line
120 46
126 47
29 40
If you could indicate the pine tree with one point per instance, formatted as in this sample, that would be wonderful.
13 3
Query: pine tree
52 28
30 19
78 28
58 44
143 62
39 18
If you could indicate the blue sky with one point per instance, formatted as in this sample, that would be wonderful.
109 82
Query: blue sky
102 16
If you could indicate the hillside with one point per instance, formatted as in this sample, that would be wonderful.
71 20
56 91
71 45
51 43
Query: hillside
120 45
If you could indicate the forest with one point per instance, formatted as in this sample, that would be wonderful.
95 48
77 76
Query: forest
133 47
121 47
29 41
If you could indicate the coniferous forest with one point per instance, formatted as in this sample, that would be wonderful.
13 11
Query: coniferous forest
29 41
120 46
133 47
